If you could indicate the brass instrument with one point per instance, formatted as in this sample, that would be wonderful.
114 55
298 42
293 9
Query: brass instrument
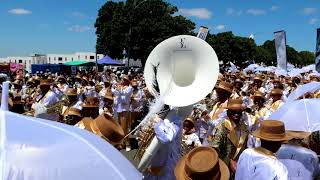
54 108
57 107
175 85
144 135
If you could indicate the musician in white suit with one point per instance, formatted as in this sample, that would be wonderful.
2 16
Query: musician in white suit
45 99
122 97
261 163
295 150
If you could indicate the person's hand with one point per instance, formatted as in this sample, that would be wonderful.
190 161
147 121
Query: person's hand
233 165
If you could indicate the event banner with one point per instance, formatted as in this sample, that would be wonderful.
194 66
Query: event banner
281 49
318 51
203 32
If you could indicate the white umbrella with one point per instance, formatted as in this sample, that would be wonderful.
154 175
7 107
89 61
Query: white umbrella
308 68
36 149
301 90
281 72
300 115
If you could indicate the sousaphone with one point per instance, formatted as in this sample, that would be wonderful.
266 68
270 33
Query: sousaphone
182 70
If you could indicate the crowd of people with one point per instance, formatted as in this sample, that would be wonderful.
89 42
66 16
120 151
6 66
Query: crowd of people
228 134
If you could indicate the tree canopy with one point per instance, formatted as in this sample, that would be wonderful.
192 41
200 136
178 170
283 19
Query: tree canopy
150 23
138 26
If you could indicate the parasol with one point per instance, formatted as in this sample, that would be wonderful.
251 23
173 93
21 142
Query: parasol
36 149
301 115
301 90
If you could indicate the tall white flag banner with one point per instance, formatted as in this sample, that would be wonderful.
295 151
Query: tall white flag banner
281 49
318 51
203 32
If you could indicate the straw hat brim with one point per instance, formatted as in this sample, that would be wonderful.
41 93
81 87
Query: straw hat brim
298 134
45 84
179 171
69 94
271 137
108 97
258 96
90 106
236 107
73 113
225 88
96 130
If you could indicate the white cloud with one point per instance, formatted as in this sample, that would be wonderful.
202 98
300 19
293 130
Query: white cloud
78 28
274 8
79 15
19 11
313 21
201 13
256 12
219 27
231 11
309 10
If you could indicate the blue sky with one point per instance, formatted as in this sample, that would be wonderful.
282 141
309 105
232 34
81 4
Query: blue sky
67 26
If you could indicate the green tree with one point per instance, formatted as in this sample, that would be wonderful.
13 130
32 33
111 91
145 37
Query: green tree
150 22
231 48
307 57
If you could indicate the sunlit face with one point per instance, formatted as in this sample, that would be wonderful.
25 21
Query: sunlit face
188 126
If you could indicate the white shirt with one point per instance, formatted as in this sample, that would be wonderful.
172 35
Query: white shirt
305 156
49 99
122 98
191 138
257 166
296 170
136 106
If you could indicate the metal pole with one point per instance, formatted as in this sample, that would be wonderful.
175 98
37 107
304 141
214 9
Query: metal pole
96 62
135 5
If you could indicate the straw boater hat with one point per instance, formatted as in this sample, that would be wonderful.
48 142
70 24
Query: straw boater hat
298 134
276 92
71 92
45 82
276 80
258 94
30 81
105 127
201 163
272 130
74 112
61 78
225 86
238 81
190 119
236 104
91 102
258 78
